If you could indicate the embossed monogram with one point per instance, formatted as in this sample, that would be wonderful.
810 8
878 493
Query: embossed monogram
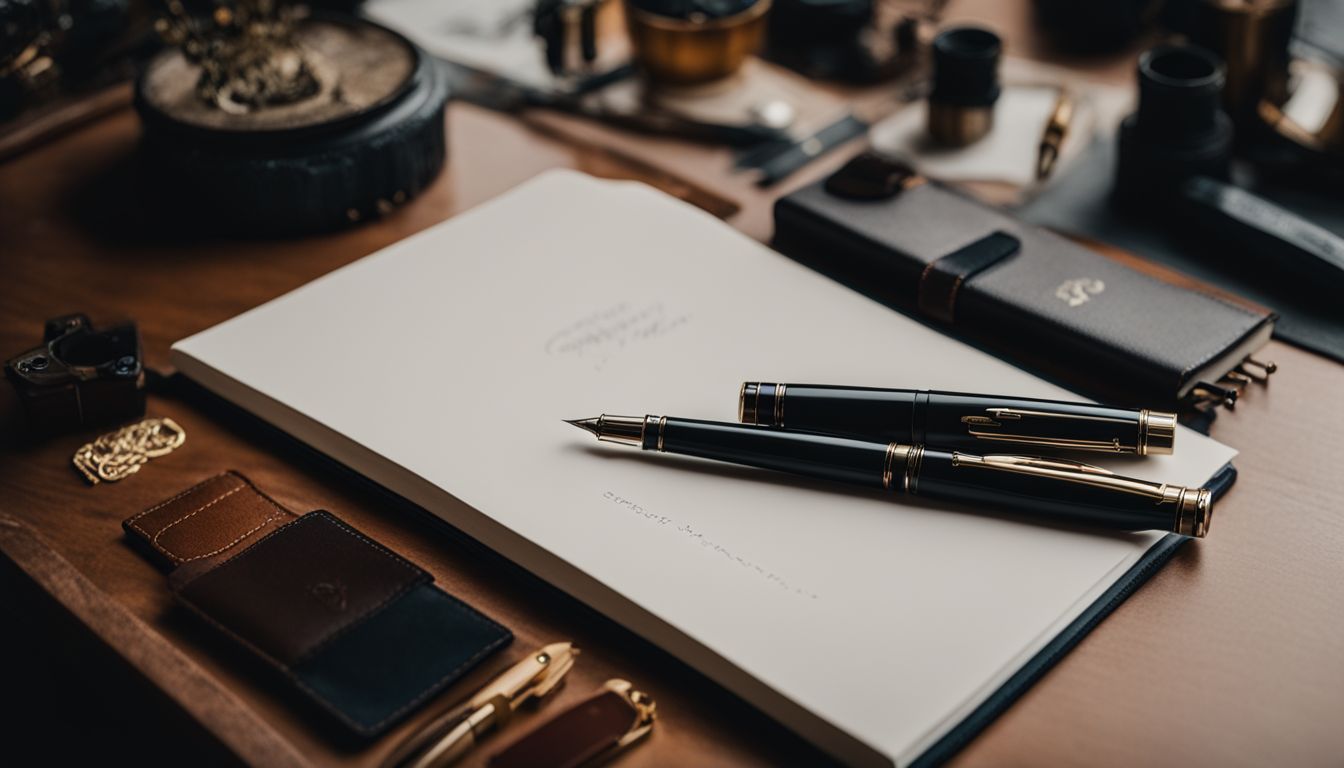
330 594
1079 290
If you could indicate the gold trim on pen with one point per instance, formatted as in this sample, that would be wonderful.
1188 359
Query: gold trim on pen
1156 430
1194 506
913 460
742 403
889 463
662 424
779 405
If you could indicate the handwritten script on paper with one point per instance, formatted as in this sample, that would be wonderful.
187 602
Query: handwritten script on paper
698 537
600 336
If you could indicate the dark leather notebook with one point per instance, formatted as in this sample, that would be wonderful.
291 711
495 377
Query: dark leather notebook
1026 294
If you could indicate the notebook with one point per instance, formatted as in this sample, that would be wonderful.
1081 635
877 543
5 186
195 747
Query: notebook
881 628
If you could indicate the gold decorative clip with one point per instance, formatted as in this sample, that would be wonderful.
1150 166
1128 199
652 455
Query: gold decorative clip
120 454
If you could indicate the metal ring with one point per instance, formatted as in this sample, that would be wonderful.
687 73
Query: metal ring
886 465
913 459
1143 433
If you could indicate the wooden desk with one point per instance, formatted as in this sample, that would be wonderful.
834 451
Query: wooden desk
1232 654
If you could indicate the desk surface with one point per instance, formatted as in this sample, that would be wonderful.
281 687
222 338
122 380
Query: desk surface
1232 654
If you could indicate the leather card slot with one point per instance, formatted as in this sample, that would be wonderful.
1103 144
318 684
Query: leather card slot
299 587
206 520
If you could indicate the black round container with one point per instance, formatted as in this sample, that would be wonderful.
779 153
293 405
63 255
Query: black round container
965 85
303 179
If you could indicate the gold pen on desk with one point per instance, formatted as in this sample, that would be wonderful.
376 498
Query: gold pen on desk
1056 129
451 735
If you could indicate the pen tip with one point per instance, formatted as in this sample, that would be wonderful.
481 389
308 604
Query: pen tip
588 425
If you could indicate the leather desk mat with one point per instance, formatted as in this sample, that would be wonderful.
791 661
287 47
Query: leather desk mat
1236 638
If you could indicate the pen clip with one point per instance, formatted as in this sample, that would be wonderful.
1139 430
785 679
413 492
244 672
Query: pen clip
986 428
1037 461
550 678
1068 472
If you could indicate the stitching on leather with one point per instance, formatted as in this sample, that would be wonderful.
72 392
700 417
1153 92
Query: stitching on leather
216 500
258 527
132 521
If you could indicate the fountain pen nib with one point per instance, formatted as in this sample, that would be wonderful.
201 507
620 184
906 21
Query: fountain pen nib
591 425
627 430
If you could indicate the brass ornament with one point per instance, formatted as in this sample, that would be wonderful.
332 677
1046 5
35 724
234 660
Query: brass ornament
119 454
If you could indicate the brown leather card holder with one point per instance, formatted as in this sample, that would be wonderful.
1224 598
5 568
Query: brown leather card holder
208 520
299 587
360 630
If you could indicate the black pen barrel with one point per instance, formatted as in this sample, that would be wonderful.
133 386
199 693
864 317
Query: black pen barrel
1065 491
830 457
1048 489
956 419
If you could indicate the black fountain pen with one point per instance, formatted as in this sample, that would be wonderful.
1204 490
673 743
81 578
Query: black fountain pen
1068 491
955 419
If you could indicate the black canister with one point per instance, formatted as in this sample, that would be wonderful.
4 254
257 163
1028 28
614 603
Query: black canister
965 85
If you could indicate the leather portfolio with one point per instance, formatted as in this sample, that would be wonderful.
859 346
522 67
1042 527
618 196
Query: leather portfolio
1022 292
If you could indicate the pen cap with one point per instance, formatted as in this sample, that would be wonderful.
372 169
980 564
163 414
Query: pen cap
956 419
876 414
1157 432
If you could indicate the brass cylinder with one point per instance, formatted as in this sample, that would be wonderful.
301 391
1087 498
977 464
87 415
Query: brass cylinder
1252 37
694 50
953 125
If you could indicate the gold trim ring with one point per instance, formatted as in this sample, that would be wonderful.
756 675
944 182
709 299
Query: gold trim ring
889 462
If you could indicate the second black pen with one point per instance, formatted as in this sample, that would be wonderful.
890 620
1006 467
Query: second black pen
956 419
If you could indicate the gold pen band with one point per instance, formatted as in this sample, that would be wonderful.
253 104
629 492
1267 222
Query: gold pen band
1157 432
1194 508
755 399
906 459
